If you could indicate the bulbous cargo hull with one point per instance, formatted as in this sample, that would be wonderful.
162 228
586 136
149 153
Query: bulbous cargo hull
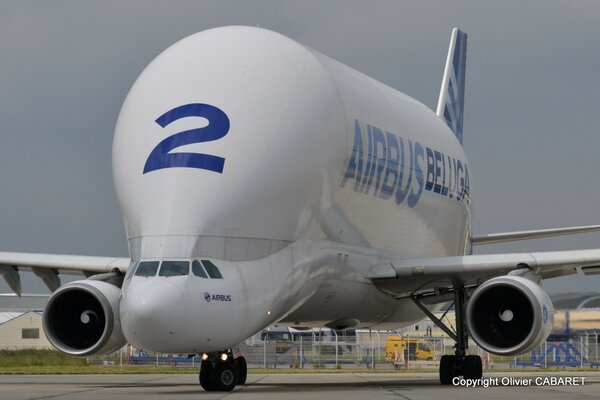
240 145
239 141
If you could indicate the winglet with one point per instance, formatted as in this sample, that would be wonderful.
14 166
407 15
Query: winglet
452 94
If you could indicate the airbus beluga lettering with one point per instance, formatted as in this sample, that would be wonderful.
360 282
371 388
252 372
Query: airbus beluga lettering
262 182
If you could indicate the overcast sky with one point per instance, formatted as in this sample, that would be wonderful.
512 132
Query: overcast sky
531 115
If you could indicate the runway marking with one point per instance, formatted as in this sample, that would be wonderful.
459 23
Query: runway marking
238 389
386 388
92 389
565 392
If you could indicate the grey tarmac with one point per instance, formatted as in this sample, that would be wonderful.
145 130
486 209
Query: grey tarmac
346 386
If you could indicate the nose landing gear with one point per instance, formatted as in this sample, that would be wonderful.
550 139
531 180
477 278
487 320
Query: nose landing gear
220 372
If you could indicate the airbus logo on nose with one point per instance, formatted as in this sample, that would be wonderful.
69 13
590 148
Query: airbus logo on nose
216 297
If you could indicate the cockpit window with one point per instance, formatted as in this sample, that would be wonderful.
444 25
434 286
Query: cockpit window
147 268
212 270
198 270
174 268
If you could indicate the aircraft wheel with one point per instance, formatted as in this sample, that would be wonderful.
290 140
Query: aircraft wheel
205 372
447 368
224 376
242 370
472 367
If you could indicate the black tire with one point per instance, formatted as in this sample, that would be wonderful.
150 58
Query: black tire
242 370
447 368
429 359
224 376
479 369
472 368
205 373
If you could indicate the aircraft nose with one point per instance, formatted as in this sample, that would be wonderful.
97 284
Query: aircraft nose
151 313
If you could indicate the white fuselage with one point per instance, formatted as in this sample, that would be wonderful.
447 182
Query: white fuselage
290 172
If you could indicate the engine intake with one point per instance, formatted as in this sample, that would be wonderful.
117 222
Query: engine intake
509 315
82 318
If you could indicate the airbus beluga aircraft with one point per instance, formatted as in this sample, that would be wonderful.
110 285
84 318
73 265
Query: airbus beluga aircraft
262 182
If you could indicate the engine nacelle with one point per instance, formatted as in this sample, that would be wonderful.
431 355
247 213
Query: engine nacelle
509 315
82 318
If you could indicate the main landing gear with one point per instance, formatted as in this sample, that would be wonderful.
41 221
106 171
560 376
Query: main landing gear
221 372
459 364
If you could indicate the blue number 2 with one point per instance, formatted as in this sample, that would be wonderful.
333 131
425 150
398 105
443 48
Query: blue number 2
218 126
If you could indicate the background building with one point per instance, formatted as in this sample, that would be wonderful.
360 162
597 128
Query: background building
22 330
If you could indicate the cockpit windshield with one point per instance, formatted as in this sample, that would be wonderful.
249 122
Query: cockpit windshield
174 268
147 268
198 270
168 268
212 270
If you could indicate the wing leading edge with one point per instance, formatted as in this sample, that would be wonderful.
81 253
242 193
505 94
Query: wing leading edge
48 267
534 234
402 278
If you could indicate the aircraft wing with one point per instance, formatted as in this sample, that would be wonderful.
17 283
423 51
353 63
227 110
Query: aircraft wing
526 235
48 267
437 275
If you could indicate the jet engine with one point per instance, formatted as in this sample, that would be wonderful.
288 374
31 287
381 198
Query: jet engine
82 318
509 315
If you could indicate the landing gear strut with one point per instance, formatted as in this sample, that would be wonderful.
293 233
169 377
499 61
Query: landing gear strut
459 364
221 372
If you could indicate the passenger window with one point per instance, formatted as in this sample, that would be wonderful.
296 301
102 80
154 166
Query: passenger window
147 268
174 268
198 270
212 270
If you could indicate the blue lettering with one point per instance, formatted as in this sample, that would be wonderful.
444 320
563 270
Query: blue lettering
354 169
444 182
452 165
378 158
413 198
401 193
368 176
430 169
218 297
461 180
437 188
162 156
391 169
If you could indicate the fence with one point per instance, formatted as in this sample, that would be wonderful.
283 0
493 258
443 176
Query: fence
364 350
580 351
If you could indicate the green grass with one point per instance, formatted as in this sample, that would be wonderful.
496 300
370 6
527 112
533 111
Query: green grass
39 358
91 370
